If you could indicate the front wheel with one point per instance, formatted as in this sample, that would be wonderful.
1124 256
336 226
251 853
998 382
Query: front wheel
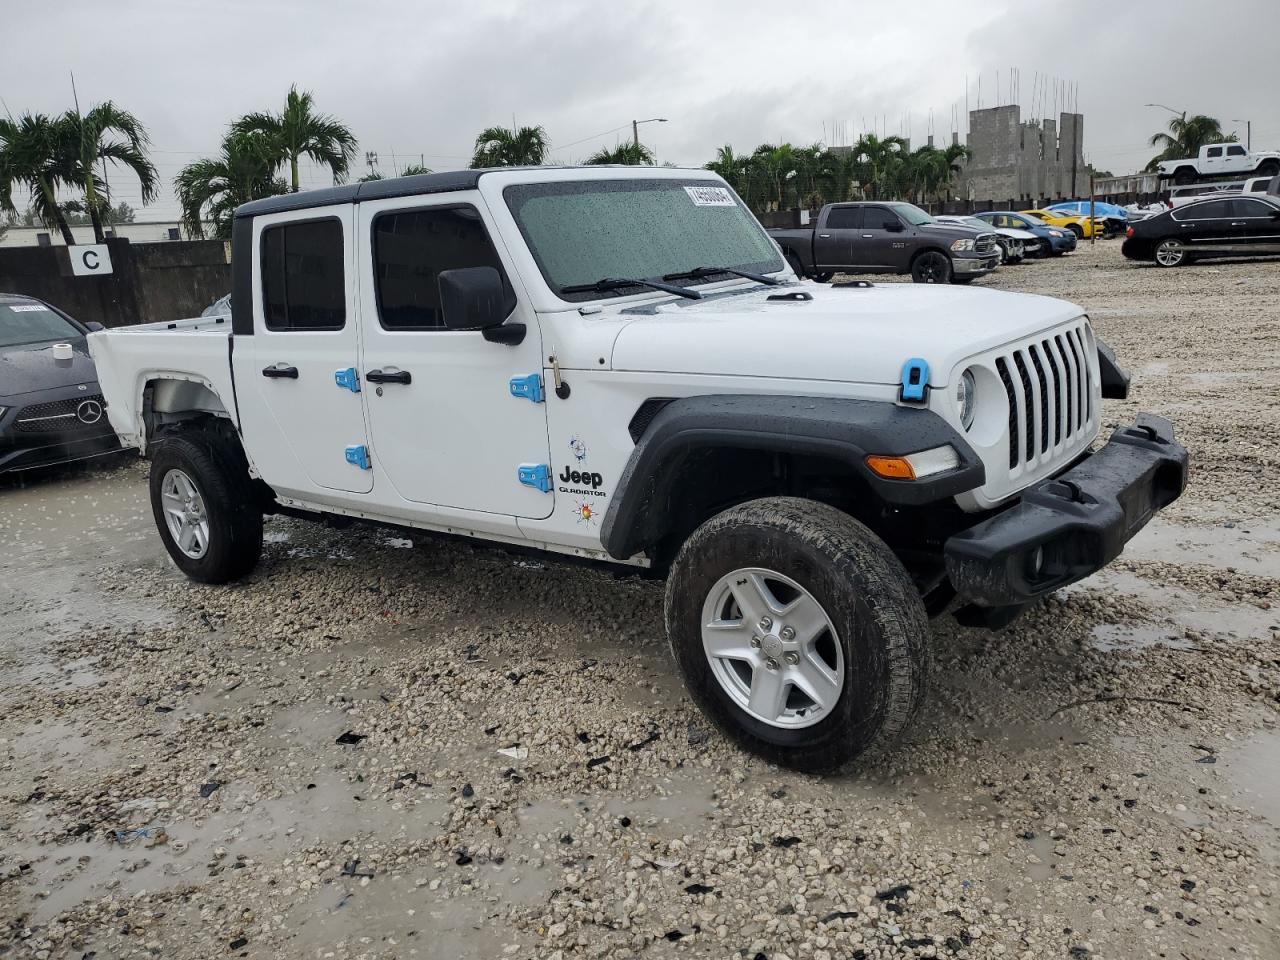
798 632
1077 230
1268 168
931 267
205 508
1171 253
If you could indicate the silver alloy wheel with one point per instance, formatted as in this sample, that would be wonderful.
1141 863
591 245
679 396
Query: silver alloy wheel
772 648
1170 253
185 514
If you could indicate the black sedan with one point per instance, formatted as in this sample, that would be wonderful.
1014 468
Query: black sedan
51 410
1217 227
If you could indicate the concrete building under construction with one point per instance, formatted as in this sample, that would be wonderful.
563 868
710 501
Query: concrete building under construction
1013 160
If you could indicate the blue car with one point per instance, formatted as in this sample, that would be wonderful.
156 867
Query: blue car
1057 240
1081 209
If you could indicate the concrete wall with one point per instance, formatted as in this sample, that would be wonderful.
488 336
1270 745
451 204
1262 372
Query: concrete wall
1015 159
149 281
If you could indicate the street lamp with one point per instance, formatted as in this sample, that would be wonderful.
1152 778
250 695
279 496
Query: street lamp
1248 133
1181 113
635 127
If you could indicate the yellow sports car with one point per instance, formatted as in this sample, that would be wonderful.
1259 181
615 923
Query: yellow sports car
1082 227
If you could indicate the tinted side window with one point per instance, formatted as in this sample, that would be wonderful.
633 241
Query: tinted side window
303 284
844 218
1208 210
411 248
1250 208
1235 151
879 218
1215 152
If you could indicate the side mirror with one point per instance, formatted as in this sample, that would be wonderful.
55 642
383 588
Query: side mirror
475 298
93 326
894 226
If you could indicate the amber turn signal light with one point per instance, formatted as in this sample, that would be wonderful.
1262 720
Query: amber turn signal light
891 468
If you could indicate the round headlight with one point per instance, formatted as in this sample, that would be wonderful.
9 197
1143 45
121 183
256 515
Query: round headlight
966 394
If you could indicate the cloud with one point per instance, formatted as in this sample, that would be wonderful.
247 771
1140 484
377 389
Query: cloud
421 79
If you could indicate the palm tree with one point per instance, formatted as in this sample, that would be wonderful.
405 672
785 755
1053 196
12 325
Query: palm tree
1186 136
82 145
500 147
211 189
633 154
299 131
413 169
731 168
30 155
879 161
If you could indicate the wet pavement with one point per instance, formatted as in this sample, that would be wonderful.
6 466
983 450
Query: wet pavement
384 746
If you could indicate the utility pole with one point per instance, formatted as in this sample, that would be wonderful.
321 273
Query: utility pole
635 132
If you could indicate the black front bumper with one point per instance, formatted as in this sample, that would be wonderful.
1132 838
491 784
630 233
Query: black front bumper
1072 525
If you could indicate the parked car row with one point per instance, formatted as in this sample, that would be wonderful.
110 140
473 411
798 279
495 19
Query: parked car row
898 237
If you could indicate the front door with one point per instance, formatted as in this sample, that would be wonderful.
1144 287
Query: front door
306 430
1256 225
453 416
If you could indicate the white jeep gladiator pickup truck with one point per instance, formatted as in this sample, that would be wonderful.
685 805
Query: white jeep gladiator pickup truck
617 364
1219 160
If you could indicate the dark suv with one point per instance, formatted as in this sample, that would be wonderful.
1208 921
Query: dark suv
888 237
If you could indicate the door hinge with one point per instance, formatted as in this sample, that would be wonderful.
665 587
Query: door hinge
535 475
529 387
915 381
347 379
358 456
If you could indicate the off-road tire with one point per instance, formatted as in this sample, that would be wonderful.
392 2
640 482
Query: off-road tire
232 504
871 600
1268 168
1183 176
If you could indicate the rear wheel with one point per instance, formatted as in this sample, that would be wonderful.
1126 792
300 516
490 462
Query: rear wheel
205 507
1171 253
931 267
1184 175
796 265
823 277
798 632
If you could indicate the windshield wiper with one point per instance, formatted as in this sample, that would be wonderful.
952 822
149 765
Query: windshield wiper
697 273
605 284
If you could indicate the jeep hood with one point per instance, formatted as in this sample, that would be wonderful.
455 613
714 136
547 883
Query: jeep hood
851 334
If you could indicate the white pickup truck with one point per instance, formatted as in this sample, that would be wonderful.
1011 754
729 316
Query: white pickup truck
617 364
1220 160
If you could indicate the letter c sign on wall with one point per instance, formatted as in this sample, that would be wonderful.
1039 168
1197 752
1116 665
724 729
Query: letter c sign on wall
90 260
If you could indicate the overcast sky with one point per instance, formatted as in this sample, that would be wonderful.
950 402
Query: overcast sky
422 78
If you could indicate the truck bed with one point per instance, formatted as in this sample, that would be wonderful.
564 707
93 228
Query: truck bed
128 358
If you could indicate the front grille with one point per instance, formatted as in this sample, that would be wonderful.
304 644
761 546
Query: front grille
986 243
1049 386
60 416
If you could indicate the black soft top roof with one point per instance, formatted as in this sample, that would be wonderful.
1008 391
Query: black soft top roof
420 184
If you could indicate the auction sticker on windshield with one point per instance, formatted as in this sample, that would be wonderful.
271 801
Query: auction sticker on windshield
710 196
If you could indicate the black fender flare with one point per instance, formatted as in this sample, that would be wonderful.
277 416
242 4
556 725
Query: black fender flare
838 428
1115 378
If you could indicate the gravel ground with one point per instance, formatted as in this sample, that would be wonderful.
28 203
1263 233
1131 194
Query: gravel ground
379 747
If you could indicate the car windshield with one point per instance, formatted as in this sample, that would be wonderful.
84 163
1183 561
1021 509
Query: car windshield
32 323
1037 221
581 232
911 213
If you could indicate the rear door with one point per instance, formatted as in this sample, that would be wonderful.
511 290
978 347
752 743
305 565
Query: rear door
453 416
304 430
833 242
1256 225
883 240
1214 162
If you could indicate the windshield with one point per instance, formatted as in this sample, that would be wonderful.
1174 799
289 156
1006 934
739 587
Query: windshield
584 231
32 323
911 213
